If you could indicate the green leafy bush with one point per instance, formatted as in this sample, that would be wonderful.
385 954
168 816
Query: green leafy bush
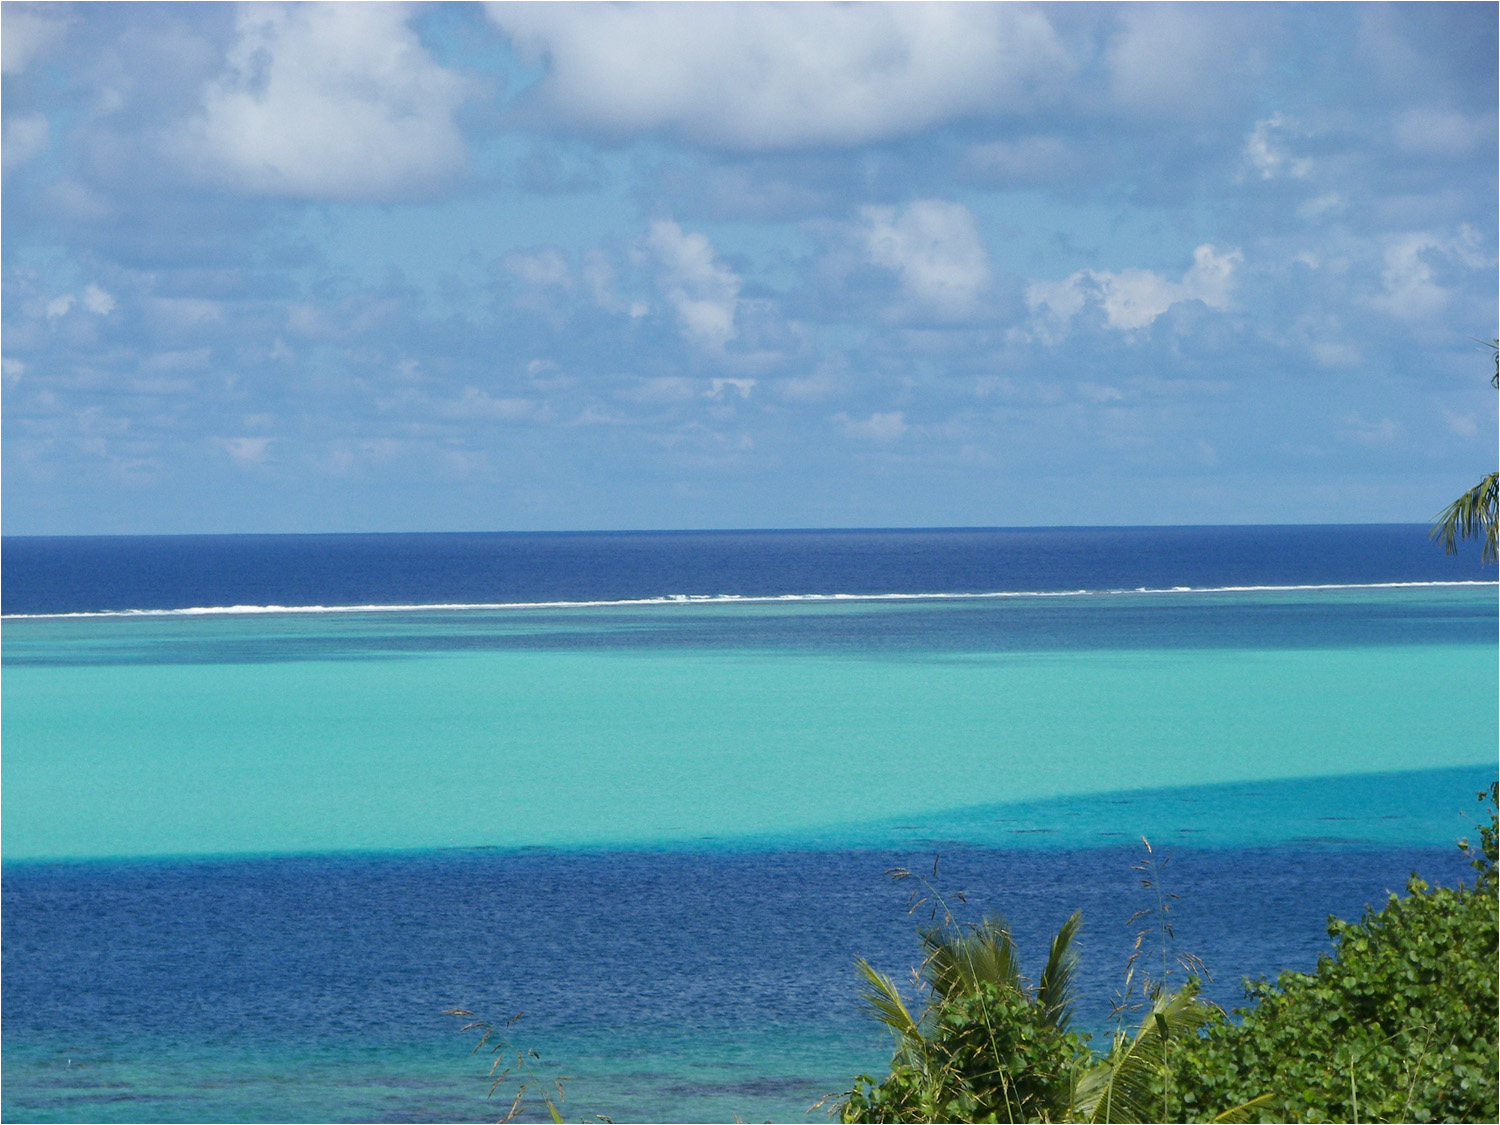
987 1055
1398 1024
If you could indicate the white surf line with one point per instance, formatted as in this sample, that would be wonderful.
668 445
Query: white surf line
727 599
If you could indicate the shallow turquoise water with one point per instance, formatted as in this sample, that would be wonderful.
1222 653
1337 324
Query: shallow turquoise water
135 737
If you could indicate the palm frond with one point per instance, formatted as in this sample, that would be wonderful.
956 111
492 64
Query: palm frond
1246 1111
1471 516
958 963
1054 990
883 999
1121 1087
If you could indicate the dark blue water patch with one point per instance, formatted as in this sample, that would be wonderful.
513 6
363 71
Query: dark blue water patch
87 574
1260 620
297 951
675 986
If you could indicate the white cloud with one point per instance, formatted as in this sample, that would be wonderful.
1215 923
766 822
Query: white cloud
97 301
877 427
727 388
1063 299
761 76
59 306
1134 298
11 370
1266 150
247 451
1410 288
702 290
27 30
328 101
25 137
541 269
936 251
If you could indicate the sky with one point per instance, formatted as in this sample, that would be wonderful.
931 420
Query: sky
379 267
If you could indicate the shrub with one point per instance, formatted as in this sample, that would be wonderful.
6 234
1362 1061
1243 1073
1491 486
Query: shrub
1398 1024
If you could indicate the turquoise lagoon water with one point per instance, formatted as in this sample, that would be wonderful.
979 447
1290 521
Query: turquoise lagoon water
576 728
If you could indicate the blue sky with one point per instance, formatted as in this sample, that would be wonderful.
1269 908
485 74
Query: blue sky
550 266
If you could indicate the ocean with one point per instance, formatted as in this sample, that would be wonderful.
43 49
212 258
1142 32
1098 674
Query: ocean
272 804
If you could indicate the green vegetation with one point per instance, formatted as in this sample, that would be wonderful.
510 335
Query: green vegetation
987 1039
1398 1024
1474 514
1471 516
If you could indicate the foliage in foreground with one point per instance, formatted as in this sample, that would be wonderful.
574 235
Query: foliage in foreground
1398 1024
1471 516
1475 514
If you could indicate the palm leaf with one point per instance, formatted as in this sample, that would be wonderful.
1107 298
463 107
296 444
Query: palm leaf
881 996
1243 1113
1054 990
1120 1087
1471 516
959 963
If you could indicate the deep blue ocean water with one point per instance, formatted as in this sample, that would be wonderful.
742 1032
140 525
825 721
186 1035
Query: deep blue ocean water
82 574
646 787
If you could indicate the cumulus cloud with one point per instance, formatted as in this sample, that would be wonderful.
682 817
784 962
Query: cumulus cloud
94 300
97 301
1266 150
547 272
1410 288
701 289
247 451
327 101
26 31
545 268
728 388
754 76
935 249
1133 298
